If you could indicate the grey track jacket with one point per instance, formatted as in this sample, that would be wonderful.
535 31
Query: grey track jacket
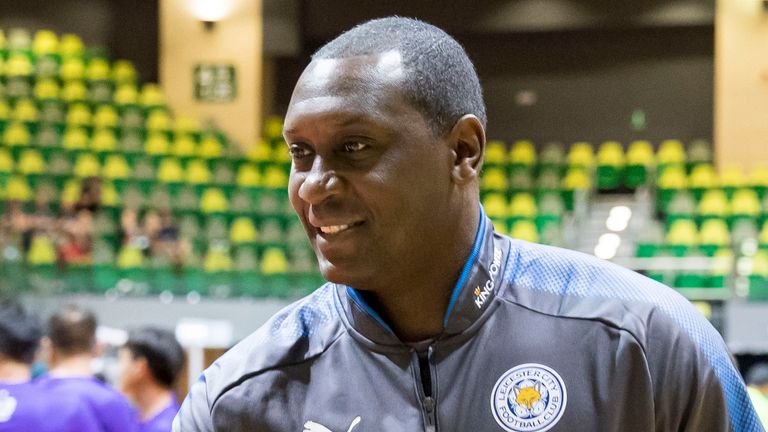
536 339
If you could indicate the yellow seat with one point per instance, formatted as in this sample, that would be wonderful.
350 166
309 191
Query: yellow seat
763 237
75 138
274 261
41 251
576 178
45 42
18 65
714 204
130 257
523 205
213 200
46 89
260 152
70 194
760 264
733 177
714 232
109 195
24 111
495 205
611 153
495 152
671 152
275 177
170 171
522 153
123 72
159 120
126 94
217 260
210 147
86 165
198 172
493 179
759 177
6 161
78 115
524 230
152 96
273 127
281 154
183 146
71 45
104 140
243 231
157 144
98 70
74 91
31 162
683 232
5 110
116 167
581 155
72 69
17 189
745 202
248 175
16 134
105 117
673 178
185 125
703 176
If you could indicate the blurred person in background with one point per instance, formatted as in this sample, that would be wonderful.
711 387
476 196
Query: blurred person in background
150 362
757 386
24 405
72 348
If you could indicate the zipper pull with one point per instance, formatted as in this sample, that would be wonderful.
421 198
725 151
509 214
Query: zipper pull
429 411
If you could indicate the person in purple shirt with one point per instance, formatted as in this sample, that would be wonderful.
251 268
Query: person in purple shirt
70 380
150 362
23 404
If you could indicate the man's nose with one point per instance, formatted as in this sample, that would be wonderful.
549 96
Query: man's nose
320 183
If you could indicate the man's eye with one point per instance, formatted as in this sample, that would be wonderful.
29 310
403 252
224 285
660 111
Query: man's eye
354 146
297 152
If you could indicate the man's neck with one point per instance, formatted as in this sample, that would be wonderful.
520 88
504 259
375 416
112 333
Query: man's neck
414 303
151 399
77 365
13 372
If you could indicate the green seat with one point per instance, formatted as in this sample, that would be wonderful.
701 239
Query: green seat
671 153
682 237
714 235
681 206
670 182
610 165
714 204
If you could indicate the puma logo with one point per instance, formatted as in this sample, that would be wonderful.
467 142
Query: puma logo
311 426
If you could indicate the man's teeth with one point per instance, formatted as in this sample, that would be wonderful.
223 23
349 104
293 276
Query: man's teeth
333 229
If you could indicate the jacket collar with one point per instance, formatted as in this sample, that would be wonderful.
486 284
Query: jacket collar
470 299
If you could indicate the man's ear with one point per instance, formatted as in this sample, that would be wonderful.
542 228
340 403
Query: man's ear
468 141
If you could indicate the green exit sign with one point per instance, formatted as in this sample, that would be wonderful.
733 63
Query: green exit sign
215 82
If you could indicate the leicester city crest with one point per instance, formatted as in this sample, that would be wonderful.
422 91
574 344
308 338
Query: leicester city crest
528 398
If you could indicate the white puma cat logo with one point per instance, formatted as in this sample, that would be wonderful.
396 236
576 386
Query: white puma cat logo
311 426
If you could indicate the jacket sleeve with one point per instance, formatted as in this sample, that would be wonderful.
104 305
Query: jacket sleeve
696 386
195 412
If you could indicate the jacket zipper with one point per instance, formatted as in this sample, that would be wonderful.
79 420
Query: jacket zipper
426 383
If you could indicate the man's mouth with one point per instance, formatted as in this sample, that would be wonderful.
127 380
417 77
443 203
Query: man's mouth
336 229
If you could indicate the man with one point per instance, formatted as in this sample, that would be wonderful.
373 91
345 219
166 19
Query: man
757 386
72 346
150 362
23 405
430 320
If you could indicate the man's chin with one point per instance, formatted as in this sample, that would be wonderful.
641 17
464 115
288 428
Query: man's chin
346 274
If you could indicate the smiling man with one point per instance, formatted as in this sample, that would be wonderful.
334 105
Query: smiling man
431 321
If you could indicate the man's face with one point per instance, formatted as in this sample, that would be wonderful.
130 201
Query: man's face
370 181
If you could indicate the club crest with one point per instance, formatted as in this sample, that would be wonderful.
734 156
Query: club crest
528 398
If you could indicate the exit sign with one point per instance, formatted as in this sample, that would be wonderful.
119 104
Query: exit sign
215 82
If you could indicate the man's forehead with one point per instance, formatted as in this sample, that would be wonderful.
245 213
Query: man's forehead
350 75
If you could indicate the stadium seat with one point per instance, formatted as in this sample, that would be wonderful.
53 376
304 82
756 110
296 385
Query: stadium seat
170 171
552 156
59 163
521 180
522 154
78 115
72 69
495 153
714 204
152 96
105 117
222 173
41 251
132 117
682 237
243 231
581 155
6 162
523 205
763 237
97 70
700 152
248 175
46 89
733 178
197 172
75 138
669 182
495 205
24 111
133 197
703 177
87 165
183 146
16 134
17 189
70 45
126 94
70 194
45 43
116 167
216 229
524 230
610 165
31 162
671 153
18 65
46 67
104 140
758 178
714 235
157 144
275 177
210 147
130 257
274 261
123 72
241 202
271 231
159 120
74 91
493 179
186 125
109 195
681 206
213 200
745 204
217 259
650 240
